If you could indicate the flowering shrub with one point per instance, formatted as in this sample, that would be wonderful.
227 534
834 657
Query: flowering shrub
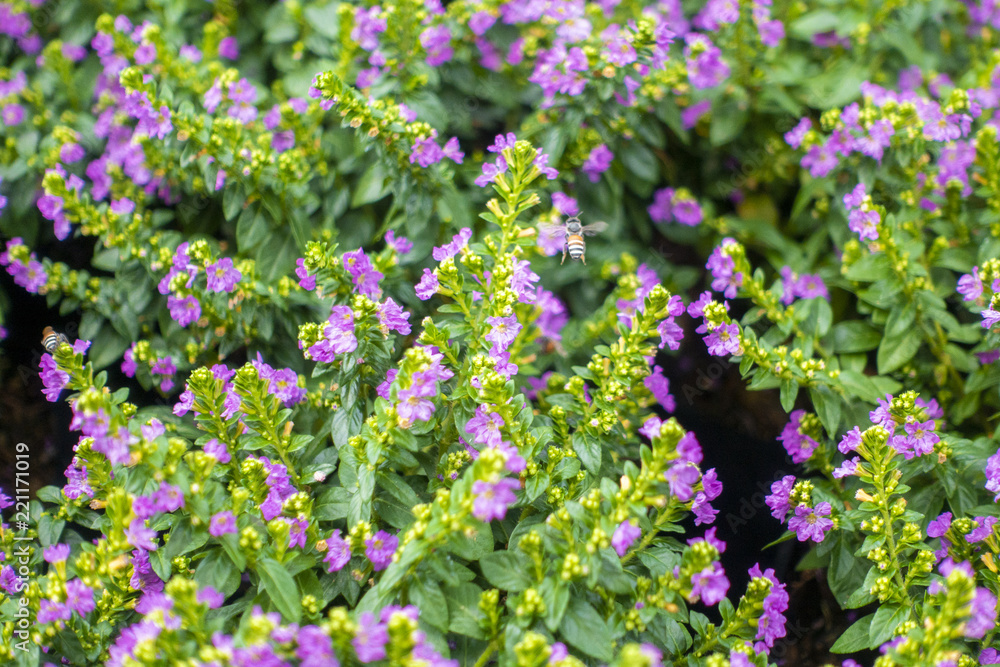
392 428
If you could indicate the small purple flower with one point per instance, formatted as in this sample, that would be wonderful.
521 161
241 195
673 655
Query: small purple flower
139 536
983 614
504 331
484 427
229 49
401 245
797 134
222 275
492 500
221 524
56 553
380 549
778 501
711 584
370 639
184 311
724 340
436 40
798 445
53 611
625 535
338 552
811 523
428 285
54 380
79 597
681 477
983 530
598 162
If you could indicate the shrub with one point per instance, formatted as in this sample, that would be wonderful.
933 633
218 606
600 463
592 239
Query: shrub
390 426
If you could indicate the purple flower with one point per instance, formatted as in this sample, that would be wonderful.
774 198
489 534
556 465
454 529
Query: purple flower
694 113
370 639
681 476
710 584
222 275
492 500
983 614
139 536
983 530
778 500
504 331
414 404
436 40
811 523
481 21
458 242
490 171
798 445
428 285
54 380
598 162
229 49
56 553
670 334
12 114
659 387
221 524
380 549
366 278
401 245
484 427
724 340
184 311
338 552
704 62
79 597
797 134
52 611
625 535
771 625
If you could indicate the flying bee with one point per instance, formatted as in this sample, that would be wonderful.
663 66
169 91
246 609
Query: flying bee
51 339
574 233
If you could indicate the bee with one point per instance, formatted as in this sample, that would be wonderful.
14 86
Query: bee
574 233
51 339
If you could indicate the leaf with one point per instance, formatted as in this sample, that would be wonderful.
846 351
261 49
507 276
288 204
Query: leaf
828 408
371 186
463 610
584 628
789 391
217 570
855 638
588 450
895 351
346 422
281 588
854 336
506 570
884 624
433 605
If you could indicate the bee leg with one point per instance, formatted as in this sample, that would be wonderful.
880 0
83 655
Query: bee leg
564 256
583 258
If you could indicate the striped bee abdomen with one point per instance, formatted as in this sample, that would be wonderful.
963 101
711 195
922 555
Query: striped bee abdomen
576 246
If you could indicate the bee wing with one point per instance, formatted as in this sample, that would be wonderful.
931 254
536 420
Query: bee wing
552 230
595 228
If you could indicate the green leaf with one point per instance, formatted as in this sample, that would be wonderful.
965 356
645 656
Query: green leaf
281 588
588 450
884 624
895 351
854 336
463 610
855 638
217 570
232 201
371 186
584 628
506 570
828 408
789 391
433 605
